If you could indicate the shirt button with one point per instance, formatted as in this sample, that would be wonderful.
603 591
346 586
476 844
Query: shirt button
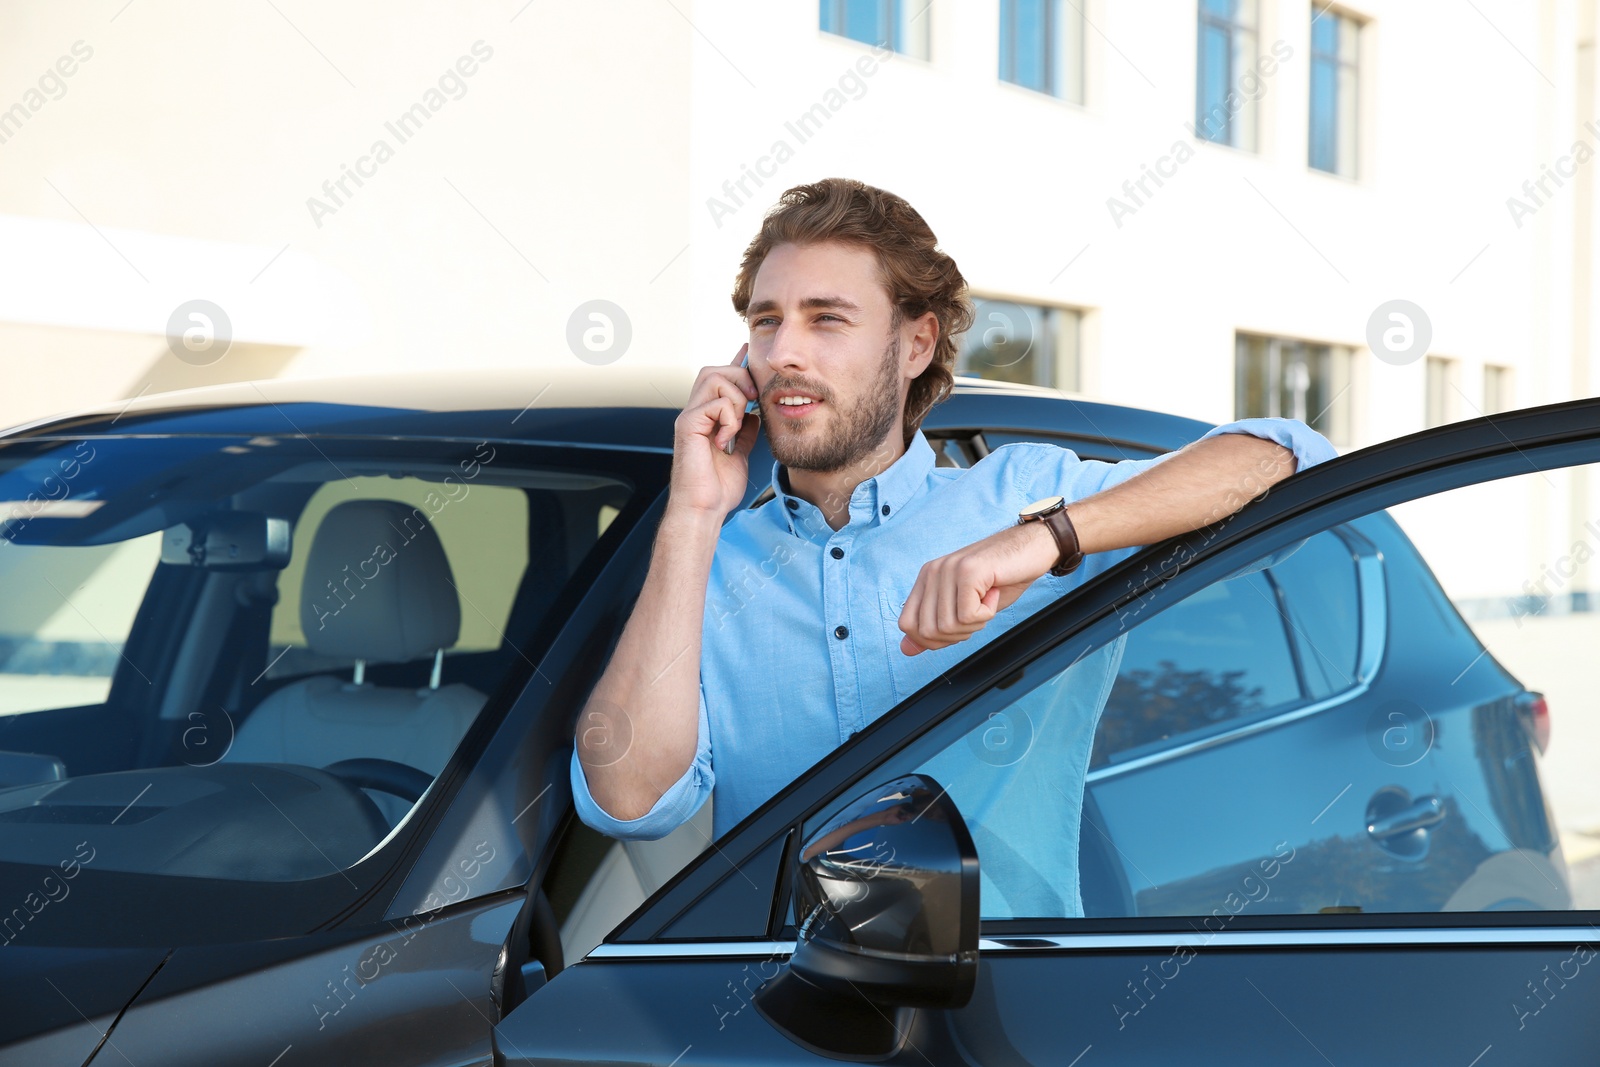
841 632
886 509
838 553
792 505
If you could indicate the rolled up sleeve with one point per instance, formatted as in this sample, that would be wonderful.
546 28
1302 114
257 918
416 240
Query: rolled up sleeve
1309 446
675 807
1050 469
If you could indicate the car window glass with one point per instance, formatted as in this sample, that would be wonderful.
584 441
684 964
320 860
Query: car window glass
1317 593
210 761
484 533
1085 447
1441 763
1235 651
67 615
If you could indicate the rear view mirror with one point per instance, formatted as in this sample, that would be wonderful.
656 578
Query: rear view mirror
886 898
29 768
229 541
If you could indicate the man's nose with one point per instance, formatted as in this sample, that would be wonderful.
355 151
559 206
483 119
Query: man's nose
789 353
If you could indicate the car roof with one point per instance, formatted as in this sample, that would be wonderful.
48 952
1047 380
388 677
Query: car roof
562 404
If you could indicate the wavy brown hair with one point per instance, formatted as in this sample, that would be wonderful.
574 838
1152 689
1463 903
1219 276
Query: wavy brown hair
918 276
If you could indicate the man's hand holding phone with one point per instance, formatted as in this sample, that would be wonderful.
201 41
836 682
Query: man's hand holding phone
649 693
713 437
754 406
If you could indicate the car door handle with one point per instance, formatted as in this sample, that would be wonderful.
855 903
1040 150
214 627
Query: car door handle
1418 815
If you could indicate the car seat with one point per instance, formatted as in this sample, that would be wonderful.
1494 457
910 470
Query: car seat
377 589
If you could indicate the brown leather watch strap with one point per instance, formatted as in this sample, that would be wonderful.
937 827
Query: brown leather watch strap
1066 536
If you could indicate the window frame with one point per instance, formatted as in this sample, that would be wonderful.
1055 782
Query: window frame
1339 410
1441 393
1339 65
893 27
1062 39
1244 39
1061 352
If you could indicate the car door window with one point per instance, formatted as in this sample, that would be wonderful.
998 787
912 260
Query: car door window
1359 720
1238 650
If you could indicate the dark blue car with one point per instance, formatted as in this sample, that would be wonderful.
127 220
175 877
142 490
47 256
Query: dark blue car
290 673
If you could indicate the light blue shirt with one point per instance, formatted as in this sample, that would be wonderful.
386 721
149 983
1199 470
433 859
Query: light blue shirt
801 638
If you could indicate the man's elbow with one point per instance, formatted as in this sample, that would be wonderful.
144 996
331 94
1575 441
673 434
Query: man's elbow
1278 461
1262 463
1255 465
628 809
627 822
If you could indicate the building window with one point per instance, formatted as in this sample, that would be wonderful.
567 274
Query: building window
1335 70
1440 406
1223 112
892 23
1041 46
1029 344
1497 389
1277 376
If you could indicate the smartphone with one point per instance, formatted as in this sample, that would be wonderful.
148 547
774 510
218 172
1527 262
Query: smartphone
751 407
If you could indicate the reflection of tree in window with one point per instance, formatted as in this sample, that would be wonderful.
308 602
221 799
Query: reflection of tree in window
1152 705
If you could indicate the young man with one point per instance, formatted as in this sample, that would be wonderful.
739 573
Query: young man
758 646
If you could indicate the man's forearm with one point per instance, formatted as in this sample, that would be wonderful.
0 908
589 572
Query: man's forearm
1200 484
957 594
637 733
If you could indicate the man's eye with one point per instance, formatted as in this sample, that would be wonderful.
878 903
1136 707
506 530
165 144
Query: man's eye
763 320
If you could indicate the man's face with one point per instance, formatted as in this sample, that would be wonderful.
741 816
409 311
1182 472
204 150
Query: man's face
819 326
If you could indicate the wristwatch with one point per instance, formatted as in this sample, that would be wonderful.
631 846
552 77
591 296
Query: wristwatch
1052 511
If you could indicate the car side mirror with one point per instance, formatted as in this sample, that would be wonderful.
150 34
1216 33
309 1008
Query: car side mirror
886 898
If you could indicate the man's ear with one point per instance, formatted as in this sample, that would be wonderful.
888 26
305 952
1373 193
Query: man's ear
924 338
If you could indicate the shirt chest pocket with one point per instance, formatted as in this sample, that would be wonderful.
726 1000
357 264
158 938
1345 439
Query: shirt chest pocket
907 674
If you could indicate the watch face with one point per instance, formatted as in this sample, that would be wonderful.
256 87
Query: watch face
1040 507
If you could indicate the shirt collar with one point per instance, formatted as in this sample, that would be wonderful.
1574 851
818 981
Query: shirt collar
876 500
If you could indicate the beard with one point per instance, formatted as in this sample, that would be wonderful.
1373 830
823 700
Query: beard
853 433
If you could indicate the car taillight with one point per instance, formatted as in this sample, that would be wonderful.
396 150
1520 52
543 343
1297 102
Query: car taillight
1535 714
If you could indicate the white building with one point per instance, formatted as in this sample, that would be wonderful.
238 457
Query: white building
1193 205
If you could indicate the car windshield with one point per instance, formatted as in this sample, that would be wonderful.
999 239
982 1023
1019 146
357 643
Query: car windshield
245 661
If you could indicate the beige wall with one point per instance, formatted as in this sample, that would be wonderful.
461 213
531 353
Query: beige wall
193 136
581 158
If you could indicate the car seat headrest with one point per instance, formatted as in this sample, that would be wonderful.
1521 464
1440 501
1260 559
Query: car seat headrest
377 585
